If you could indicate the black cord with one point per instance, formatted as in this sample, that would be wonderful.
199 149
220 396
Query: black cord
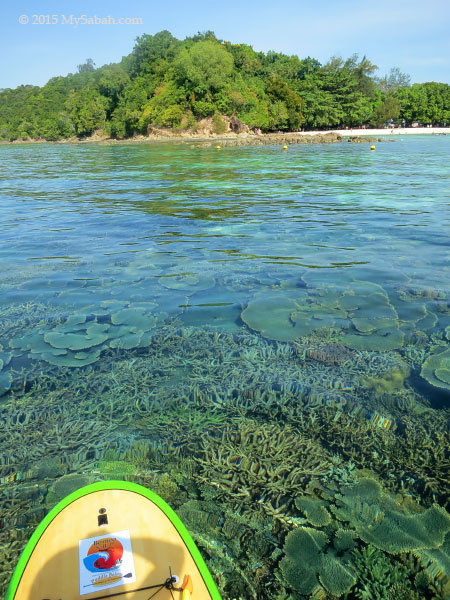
168 584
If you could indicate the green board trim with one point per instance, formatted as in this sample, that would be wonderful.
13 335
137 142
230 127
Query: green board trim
113 485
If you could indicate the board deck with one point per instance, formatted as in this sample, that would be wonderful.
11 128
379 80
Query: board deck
72 557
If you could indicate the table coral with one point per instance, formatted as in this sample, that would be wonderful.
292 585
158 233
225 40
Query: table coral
436 368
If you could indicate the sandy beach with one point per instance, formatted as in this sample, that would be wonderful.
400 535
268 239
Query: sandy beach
377 132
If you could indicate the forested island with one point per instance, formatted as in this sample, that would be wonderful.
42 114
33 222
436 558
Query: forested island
169 83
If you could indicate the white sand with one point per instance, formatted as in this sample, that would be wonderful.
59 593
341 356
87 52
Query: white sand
376 132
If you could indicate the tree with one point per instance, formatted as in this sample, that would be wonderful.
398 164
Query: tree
152 51
339 93
127 116
308 66
321 108
387 108
286 67
363 71
172 116
87 67
396 79
246 60
218 125
204 67
427 103
87 109
279 91
112 82
168 82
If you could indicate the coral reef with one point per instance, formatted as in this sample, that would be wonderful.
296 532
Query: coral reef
5 376
79 340
260 463
65 485
436 368
308 561
189 282
329 353
385 524
361 309
315 511
390 382
379 520
249 439
288 316
379 577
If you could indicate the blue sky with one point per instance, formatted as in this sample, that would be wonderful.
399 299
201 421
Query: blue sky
410 34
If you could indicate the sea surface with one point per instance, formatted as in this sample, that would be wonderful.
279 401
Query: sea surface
156 297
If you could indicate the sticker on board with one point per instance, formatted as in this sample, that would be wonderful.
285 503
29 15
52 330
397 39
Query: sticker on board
105 562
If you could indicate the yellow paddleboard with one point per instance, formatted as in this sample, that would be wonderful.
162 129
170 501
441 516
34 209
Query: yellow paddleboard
111 539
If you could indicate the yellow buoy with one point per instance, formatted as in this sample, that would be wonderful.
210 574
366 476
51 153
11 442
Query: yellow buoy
285 147
218 147
372 147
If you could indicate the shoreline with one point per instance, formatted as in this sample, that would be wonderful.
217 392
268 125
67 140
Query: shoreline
389 132
247 139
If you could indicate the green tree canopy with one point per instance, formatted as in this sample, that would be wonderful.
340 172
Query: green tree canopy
394 80
88 66
204 67
87 111
165 82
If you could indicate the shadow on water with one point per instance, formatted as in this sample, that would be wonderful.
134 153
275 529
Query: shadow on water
438 398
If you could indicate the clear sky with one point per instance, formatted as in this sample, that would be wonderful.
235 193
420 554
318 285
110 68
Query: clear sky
413 35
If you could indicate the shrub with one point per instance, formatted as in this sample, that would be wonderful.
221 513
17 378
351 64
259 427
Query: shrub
188 121
117 128
218 125
172 116
202 108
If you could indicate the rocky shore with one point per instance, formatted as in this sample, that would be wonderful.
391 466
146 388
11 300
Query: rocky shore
286 139
224 140
283 139
196 140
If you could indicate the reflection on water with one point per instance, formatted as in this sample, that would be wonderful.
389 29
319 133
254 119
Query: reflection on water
243 331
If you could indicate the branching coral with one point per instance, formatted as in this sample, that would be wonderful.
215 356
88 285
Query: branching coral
239 421
252 462
377 574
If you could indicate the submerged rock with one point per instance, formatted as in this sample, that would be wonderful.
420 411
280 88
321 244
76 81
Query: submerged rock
270 139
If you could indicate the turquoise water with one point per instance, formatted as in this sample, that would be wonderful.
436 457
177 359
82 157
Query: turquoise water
138 279
96 219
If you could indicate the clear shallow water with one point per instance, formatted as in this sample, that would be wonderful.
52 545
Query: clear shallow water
72 216
193 228
332 261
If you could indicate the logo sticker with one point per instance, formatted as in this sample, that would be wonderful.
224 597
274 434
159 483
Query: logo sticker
105 562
